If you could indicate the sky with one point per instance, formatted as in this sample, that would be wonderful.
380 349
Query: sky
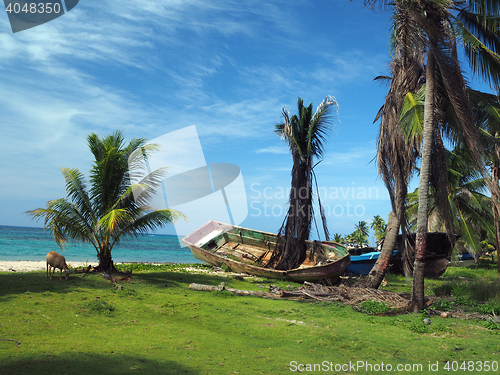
226 67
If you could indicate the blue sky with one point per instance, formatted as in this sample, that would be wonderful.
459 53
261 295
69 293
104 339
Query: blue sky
227 67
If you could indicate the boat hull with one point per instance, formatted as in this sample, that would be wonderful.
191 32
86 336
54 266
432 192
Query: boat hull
361 265
437 254
212 236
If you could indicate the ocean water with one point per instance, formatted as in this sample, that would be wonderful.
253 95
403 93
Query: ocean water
21 243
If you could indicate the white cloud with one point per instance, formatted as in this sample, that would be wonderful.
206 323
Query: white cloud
273 150
356 156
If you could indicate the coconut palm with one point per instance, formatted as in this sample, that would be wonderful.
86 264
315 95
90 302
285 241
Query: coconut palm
337 237
396 153
470 209
362 230
436 24
306 134
487 116
487 111
105 212
379 227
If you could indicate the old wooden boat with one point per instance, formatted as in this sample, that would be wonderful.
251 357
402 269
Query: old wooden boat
240 249
437 254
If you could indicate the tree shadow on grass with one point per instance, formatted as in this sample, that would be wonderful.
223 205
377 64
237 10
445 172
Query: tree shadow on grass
36 282
90 363
180 278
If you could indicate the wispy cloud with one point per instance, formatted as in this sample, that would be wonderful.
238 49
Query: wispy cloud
355 156
273 150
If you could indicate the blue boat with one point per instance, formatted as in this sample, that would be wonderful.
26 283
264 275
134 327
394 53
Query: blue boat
463 260
362 264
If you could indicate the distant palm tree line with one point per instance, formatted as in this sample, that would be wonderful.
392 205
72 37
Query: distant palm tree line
359 237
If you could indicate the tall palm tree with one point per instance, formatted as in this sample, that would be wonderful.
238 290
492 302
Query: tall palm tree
397 153
105 212
435 26
306 135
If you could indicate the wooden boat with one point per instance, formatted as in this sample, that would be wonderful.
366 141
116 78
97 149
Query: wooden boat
355 251
437 254
240 248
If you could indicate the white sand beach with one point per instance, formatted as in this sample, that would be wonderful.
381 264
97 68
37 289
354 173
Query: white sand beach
30 265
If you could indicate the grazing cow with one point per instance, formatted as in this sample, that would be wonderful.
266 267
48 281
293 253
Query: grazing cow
55 260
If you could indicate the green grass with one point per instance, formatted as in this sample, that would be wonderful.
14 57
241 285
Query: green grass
156 325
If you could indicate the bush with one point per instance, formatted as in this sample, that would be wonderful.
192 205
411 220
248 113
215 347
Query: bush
374 307
488 309
490 324
443 305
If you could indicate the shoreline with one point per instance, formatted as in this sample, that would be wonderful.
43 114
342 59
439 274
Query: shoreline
40 265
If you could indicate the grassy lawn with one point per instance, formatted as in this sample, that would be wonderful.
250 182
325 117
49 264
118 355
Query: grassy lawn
156 325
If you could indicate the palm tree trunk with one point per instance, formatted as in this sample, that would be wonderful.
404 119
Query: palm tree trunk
105 260
291 252
418 298
494 198
381 266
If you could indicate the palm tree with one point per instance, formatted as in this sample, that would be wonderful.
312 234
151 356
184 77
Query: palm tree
469 208
358 239
488 117
396 153
106 212
349 240
305 134
379 226
362 230
337 237
435 26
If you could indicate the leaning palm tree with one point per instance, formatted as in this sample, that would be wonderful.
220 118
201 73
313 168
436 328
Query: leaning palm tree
306 135
397 153
436 25
105 212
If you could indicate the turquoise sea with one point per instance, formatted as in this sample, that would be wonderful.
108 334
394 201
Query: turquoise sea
21 243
